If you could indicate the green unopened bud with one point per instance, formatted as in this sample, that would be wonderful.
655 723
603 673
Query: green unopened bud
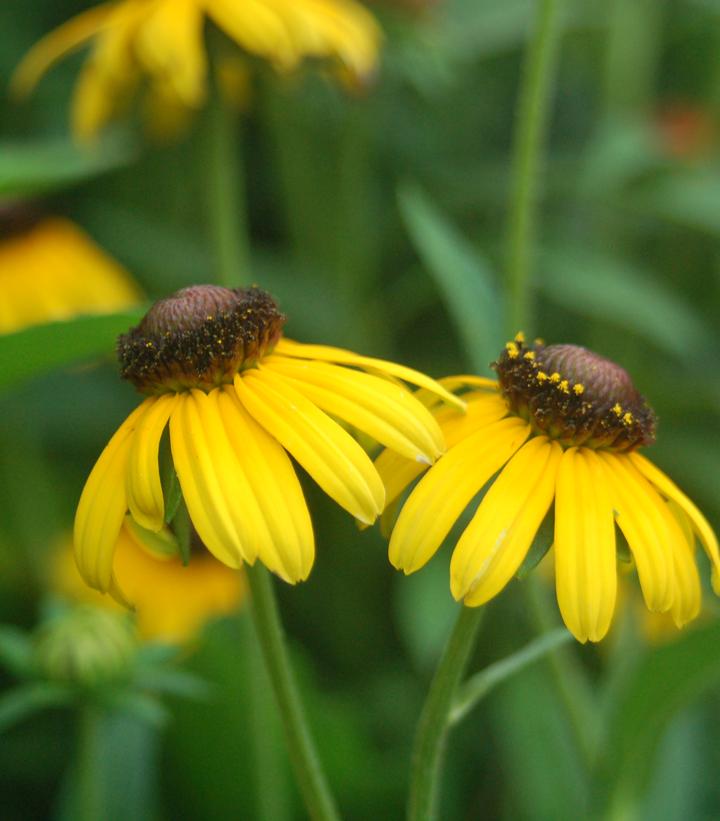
86 646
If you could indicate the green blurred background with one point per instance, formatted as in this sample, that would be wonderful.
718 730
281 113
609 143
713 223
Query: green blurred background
378 220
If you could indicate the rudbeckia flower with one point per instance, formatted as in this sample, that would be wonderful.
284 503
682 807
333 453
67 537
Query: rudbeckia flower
50 270
162 41
563 427
238 398
172 601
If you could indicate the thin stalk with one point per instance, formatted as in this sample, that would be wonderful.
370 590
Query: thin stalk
226 201
475 689
303 756
532 114
89 802
431 735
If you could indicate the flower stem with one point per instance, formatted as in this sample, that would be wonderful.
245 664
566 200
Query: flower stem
532 111
89 805
430 738
227 208
303 756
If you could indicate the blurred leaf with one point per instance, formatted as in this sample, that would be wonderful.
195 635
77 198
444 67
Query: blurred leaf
689 198
21 702
39 349
172 682
462 275
15 650
146 708
600 285
666 679
36 168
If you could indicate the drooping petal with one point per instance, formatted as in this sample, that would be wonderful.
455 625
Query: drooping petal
444 492
585 559
287 347
499 536
396 472
378 407
257 27
59 43
171 47
483 408
210 484
291 547
688 590
143 485
103 504
671 491
326 451
639 513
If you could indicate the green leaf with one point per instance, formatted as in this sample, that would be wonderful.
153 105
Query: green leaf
15 650
21 702
599 285
37 350
665 680
460 272
36 168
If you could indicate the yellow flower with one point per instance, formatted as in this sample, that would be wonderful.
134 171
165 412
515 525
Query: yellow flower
172 602
162 40
52 270
238 398
563 424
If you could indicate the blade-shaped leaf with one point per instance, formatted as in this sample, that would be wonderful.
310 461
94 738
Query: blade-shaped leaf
39 349
462 275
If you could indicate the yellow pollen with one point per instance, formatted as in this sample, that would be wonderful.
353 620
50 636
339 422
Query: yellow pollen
579 388
529 355
617 410
542 376
564 386
627 418
539 341
519 336
555 377
513 350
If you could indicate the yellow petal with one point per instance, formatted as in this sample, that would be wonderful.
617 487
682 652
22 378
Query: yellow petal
287 347
638 511
143 486
56 45
257 27
171 47
444 492
103 504
585 559
482 409
291 548
382 409
671 491
499 536
455 383
326 451
396 473
210 485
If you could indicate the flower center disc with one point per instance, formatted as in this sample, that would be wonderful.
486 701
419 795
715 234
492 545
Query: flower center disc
574 395
199 337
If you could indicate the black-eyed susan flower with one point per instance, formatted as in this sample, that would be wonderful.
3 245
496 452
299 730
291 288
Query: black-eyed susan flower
562 425
238 398
50 269
162 42
172 601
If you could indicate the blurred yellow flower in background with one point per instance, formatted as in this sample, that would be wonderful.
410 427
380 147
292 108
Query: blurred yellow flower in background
172 601
162 42
562 426
51 269
237 399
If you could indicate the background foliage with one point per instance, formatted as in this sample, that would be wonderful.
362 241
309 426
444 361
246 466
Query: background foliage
379 222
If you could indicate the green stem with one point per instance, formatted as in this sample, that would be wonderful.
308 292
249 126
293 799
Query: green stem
570 682
532 111
303 756
431 735
89 806
227 208
476 688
